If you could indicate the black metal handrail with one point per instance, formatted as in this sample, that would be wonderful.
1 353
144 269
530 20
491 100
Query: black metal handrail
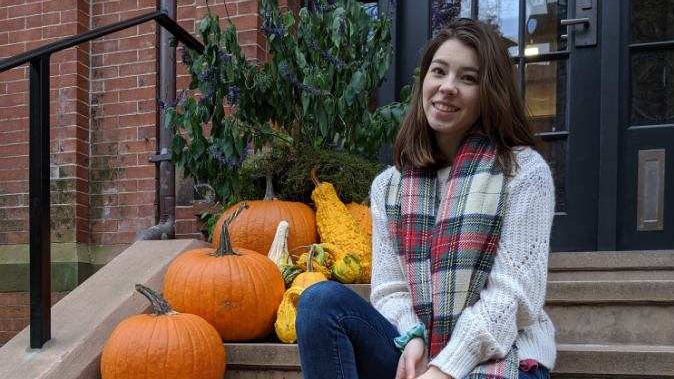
38 180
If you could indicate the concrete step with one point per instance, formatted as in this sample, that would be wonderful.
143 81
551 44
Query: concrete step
612 265
277 361
634 312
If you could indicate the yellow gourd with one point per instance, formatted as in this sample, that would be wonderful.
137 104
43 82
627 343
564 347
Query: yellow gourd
321 261
310 277
347 269
337 226
286 315
278 252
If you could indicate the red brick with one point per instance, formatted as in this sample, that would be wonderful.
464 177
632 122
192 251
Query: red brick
120 58
24 10
137 119
247 7
13 175
104 226
13 24
135 225
246 22
14 162
59 5
14 149
121 83
7 51
139 172
61 30
106 19
3 13
138 94
137 198
4 38
137 42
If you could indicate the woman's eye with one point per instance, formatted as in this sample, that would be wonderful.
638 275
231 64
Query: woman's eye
437 70
470 78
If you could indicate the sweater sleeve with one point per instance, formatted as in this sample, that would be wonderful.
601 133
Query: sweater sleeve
515 291
390 293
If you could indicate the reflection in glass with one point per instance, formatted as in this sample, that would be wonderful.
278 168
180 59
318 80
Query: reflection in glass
554 153
545 95
504 14
652 20
542 31
652 80
444 11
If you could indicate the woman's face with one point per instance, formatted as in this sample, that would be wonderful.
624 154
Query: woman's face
450 92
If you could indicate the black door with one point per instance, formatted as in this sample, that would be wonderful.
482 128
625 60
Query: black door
646 172
559 75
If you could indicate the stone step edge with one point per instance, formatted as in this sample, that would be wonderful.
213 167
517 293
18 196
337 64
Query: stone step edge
593 292
571 358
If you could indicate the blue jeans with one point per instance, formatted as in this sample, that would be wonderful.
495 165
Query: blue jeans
342 336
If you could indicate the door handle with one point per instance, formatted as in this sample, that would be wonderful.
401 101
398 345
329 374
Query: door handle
575 21
585 21
586 15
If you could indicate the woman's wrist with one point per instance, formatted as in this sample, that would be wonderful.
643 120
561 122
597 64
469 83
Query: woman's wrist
417 331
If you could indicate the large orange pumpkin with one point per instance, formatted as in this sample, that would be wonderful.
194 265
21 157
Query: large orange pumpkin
165 344
255 230
237 290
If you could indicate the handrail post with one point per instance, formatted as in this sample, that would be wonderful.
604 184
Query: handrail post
39 220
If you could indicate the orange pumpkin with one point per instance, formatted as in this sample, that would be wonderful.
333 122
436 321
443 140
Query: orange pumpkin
237 290
256 229
165 344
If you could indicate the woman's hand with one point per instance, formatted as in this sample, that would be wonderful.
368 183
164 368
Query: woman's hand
434 373
413 361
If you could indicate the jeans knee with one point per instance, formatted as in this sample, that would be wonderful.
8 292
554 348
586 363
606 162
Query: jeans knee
319 305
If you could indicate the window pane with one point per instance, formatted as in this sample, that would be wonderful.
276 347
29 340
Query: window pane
542 30
652 79
505 14
444 11
652 20
555 153
545 95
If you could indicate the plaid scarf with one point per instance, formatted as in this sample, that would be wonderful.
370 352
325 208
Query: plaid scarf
448 243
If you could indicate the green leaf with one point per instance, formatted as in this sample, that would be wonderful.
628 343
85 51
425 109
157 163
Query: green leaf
169 118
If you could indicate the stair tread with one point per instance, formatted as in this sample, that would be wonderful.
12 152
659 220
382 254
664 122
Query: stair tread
571 358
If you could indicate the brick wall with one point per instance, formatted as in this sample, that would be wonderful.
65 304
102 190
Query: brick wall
102 122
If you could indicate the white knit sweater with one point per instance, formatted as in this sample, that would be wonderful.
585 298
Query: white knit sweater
510 308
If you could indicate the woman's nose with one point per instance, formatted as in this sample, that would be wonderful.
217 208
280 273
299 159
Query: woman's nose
448 87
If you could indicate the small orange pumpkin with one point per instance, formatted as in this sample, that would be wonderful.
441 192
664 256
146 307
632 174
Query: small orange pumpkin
165 344
257 228
237 290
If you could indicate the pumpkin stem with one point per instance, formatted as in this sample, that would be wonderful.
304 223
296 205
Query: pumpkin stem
310 266
225 244
160 305
314 177
269 190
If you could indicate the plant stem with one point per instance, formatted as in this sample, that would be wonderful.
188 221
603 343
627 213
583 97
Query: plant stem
225 243
269 190
160 305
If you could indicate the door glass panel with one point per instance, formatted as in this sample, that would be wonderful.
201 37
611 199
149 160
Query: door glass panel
505 14
444 11
555 153
545 95
652 20
652 80
542 31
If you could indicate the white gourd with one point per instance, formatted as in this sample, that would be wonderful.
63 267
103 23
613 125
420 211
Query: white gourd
278 252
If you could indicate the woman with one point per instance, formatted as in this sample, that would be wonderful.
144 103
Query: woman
461 229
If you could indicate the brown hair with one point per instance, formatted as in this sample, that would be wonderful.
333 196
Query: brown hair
503 117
